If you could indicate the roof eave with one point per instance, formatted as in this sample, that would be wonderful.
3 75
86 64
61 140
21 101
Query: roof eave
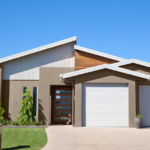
39 49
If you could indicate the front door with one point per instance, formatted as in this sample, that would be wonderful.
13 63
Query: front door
62 105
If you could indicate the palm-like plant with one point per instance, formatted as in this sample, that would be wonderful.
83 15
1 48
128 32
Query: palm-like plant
26 114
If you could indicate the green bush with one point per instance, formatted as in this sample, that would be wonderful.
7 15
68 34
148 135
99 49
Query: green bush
1 113
14 123
37 123
26 114
5 122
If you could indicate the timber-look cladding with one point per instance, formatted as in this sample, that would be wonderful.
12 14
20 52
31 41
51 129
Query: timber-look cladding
85 60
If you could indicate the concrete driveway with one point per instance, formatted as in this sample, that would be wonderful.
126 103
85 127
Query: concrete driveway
95 138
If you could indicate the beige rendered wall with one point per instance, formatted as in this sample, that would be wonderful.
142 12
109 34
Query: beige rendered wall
1 80
105 76
12 96
49 77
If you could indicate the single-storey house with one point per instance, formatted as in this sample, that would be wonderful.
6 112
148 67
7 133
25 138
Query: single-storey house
76 85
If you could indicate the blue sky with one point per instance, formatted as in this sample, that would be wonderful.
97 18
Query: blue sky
117 27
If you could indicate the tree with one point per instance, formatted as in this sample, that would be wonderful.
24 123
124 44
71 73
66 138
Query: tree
26 114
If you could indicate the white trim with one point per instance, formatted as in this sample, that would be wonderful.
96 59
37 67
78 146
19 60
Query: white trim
39 49
98 53
105 66
131 61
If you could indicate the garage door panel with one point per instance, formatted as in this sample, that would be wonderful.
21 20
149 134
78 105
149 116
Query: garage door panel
105 105
101 105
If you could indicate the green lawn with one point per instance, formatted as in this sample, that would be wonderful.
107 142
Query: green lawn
23 138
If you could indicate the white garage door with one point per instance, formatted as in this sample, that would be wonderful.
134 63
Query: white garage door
144 104
105 105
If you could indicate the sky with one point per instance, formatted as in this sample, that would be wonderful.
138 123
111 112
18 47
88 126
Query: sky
116 27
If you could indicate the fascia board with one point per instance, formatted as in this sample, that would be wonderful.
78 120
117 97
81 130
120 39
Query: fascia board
83 71
132 61
129 72
83 49
105 66
39 49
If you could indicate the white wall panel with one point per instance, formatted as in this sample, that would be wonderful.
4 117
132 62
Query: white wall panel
105 105
27 68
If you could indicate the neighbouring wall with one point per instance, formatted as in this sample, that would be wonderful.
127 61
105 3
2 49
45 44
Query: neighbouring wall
12 96
49 77
105 76
1 80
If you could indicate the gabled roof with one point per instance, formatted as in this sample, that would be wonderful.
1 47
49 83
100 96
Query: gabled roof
105 66
131 61
98 53
39 49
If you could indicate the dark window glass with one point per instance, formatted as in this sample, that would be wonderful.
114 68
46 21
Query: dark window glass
24 90
63 107
35 100
62 92
62 97
63 112
63 102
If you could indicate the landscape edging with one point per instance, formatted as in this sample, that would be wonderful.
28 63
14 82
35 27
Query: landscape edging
24 126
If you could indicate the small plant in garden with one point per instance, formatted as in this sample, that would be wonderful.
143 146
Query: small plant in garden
1 113
5 122
26 114
14 123
37 123
139 116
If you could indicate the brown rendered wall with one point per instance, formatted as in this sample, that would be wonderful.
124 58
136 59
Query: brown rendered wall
140 69
49 77
105 76
85 60
137 68
12 96
1 80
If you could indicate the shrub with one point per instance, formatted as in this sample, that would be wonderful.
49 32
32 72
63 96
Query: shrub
37 123
14 123
1 113
5 122
26 114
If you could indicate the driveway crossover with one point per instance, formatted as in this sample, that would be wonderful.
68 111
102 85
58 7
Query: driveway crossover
97 138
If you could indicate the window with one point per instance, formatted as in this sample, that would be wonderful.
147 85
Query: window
24 90
35 100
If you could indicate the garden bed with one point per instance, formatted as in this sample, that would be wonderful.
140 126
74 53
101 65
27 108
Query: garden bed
9 126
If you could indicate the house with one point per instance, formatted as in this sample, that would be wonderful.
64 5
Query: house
75 85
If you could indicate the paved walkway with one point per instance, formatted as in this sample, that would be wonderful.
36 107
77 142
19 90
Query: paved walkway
69 138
